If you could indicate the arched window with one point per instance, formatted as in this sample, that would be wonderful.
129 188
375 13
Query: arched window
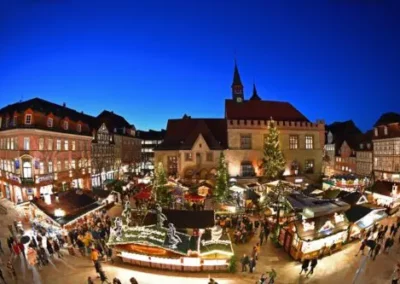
27 169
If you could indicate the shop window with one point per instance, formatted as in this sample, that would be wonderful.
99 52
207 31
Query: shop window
293 142
50 122
210 157
66 145
26 143
245 141
309 166
41 143
309 142
172 165
188 157
50 144
8 143
12 143
28 119
27 169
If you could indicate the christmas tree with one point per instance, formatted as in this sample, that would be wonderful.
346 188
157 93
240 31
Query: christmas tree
273 162
222 186
160 185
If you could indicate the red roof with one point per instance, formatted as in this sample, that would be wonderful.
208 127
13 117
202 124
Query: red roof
262 110
144 194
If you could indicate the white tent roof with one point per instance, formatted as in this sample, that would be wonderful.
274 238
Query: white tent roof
236 188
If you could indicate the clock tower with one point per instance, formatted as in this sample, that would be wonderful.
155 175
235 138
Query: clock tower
237 86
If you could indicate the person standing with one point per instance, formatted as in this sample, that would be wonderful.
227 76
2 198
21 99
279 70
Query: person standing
387 245
376 250
262 234
133 280
49 247
304 266
16 249
89 280
116 281
22 249
244 261
313 264
266 231
57 249
252 264
103 277
362 247
396 275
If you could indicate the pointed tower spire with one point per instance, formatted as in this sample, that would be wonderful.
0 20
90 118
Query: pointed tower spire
237 86
255 96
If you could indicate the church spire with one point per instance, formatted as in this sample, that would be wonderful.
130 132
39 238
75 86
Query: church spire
237 86
255 96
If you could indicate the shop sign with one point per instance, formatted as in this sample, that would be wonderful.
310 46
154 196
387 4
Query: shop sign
44 178
308 226
145 234
339 218
14 178
215 242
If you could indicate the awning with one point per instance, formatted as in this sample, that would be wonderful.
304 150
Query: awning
194 197
144 194
236 188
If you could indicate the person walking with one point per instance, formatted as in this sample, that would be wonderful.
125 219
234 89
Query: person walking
362 247
109 254
103 277
313 264
387 245
16 249
133 281
244 261
97 266
304 266
116 281
392 228
57 249
376 250
396 275
89 280
261 236
49 247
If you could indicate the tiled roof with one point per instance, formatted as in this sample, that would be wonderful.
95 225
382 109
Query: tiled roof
388 118
345 131
151 134
357 212
181 134
262 110
393 131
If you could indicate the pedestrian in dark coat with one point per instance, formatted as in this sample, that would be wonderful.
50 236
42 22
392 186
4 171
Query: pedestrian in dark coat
57 249
304 266
362 247
313 264
103 277
376 250
392 228
387 245
49 248
262 234
244 261
2 276
252 264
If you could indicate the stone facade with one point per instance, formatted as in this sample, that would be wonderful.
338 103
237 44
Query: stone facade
364 163
299 157
345 160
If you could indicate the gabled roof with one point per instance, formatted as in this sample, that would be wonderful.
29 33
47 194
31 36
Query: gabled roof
181 134
393 131
357 212
46 107
262 110
388 118
383 187
113 121
365 140
345 131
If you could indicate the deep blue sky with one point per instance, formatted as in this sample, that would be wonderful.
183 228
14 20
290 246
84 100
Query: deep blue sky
154 60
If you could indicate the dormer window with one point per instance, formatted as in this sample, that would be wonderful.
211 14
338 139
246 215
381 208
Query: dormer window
50 122
14 121
79 127
65 125
385 130
7 121
376 131
28 119
369 145
361 146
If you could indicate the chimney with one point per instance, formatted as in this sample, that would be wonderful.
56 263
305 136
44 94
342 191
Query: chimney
64 105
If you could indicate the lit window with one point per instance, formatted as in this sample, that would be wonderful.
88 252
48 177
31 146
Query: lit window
65 125
50 144
209 157
385 130
58 146
247 170
26 143
28 119
245 141
59 166
66 165
50 167
73 145
66 145
309 142
41 143
293 142
376 131
309 166
41 168
73 164
79 127
188 157
27 169
49 122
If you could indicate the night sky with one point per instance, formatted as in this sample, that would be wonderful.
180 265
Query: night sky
154 60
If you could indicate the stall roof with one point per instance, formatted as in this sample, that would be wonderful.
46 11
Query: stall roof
384 187
357 212
73 203
323 226
183 219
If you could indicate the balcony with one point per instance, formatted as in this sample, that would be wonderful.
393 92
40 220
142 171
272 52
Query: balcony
27 181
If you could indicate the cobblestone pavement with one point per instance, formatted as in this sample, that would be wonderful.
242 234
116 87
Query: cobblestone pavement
340 267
